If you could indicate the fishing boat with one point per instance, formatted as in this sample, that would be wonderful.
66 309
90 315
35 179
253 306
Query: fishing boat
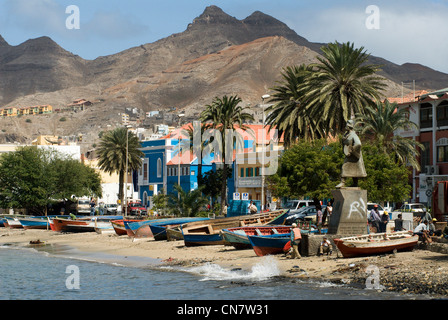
174 233
12 222
36 222
238 237
119 227
208 232
377 243
159 229
269 244
84 224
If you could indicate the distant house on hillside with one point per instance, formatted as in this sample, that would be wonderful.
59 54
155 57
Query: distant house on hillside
79 105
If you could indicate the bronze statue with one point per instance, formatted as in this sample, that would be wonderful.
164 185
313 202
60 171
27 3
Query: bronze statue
353 166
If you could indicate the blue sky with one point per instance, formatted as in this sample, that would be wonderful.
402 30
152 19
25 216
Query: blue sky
409 30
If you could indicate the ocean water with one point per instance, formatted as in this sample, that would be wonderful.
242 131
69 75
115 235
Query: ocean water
63 273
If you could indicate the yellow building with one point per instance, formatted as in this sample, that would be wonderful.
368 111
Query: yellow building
9 112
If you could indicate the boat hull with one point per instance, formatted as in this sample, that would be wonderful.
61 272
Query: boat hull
209 232
13 223
238 237
192 240
269 245
35 223
174 233
350 249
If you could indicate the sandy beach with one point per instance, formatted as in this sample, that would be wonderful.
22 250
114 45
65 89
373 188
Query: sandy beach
422 271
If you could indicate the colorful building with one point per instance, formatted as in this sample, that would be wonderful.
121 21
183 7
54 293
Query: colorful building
429 110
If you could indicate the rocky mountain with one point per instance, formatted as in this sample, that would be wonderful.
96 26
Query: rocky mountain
217 54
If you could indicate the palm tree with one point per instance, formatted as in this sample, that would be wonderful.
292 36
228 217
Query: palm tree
225 114
289 112
378 124
187 204
341 85
195 148
112 154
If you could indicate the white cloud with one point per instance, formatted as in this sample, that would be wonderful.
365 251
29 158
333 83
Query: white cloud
410 31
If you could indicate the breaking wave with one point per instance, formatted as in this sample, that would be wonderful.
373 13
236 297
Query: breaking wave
264 270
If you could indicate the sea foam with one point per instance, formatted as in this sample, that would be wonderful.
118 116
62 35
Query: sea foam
265 269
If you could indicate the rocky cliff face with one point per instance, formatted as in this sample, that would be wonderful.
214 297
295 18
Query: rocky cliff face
216 54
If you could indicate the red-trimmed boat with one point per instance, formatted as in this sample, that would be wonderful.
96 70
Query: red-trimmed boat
119 226
238 237
270 244
377 243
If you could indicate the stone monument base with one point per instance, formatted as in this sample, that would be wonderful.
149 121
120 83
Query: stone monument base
349 217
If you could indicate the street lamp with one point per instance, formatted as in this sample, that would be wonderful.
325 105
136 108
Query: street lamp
266 96
126 172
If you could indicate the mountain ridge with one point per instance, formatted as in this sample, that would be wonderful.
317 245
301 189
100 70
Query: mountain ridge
216 54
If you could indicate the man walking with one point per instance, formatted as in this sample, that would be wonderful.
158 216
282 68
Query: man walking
296 237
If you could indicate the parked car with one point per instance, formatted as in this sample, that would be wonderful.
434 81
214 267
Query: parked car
295 205
413 207
111 208
304 214
83 206
135 208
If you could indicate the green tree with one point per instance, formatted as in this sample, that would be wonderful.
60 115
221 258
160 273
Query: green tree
308 169
386 179
378 124
112 154
160 202
313 170
212 182
225 114
186 204
289 113
341 86
32 178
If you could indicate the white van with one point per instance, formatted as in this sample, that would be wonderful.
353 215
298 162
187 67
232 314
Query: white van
83 206
295 205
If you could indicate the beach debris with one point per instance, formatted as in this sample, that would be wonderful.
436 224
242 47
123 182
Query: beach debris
36 242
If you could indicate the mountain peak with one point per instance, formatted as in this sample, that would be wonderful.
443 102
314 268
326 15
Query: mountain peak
3 42
213 14
259 17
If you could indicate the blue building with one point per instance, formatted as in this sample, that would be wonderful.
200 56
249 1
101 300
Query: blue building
165 164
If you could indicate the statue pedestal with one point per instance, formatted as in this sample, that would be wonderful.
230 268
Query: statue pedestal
349 217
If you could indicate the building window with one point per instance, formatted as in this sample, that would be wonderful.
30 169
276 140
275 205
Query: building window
145 199
242 172
442 154
425 156
145 171
426 115
442 114
159 168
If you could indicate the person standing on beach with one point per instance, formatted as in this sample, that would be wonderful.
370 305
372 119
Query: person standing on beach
384 221
375 219
92 206
296 237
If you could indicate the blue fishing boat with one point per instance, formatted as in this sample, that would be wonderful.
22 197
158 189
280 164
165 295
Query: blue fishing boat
209 232
238 237
36 222
269 244
142 229
158 229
